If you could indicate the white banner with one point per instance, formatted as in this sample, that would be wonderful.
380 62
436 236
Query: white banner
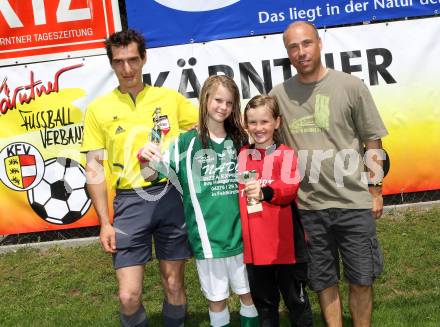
397 60
42 107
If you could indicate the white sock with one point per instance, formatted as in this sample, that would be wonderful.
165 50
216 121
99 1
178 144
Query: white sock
248 310
219 319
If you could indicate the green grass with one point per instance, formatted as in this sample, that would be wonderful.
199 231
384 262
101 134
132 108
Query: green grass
77 286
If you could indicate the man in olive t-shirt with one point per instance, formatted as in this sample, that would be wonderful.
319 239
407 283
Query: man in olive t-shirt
328 117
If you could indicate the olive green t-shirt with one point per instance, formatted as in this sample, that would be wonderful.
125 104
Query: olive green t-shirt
327 122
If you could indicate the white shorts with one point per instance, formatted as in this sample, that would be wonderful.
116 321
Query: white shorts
217 274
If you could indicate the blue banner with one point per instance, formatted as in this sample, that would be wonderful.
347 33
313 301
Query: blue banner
171 22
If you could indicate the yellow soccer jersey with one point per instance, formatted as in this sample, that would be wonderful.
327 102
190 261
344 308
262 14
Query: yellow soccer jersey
120 126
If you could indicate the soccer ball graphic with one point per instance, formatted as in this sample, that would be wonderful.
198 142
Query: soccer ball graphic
61 197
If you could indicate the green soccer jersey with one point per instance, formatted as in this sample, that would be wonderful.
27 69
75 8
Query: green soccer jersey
208 178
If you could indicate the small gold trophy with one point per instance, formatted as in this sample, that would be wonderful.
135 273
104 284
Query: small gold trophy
253 205
156 131
155 136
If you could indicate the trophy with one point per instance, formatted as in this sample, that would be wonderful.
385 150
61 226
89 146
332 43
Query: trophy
155 137
156 131
253 205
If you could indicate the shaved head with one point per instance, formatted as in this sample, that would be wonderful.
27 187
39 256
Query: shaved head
298 24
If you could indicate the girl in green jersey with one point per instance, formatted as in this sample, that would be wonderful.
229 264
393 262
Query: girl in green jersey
205 164
219 122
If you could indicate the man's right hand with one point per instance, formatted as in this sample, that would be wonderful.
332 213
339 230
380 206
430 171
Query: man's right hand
107 238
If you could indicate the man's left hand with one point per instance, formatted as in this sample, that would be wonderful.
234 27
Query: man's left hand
376 193
150 152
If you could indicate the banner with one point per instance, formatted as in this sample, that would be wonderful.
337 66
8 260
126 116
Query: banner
173 22
42 106
41 168
37 30
402 76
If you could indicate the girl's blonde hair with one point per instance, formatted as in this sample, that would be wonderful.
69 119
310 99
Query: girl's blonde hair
272 105
233 125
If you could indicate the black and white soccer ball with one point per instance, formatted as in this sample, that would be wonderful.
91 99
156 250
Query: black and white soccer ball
61 197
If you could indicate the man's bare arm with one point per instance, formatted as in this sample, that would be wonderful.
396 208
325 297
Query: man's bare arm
97 188
375 157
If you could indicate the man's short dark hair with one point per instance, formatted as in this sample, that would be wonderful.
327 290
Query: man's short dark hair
124 38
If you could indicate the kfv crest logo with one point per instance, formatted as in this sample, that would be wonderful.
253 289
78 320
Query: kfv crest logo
23 166
196 5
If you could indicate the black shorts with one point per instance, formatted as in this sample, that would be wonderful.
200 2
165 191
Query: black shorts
350 233
139 218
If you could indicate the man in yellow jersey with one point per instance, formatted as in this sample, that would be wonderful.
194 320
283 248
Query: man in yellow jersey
116 126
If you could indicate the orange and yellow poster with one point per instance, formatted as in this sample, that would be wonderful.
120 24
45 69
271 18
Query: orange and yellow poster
41 168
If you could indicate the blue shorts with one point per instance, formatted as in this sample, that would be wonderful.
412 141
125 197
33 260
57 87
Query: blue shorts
140 216
350 233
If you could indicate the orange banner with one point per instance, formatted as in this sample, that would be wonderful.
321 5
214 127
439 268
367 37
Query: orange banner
53 29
